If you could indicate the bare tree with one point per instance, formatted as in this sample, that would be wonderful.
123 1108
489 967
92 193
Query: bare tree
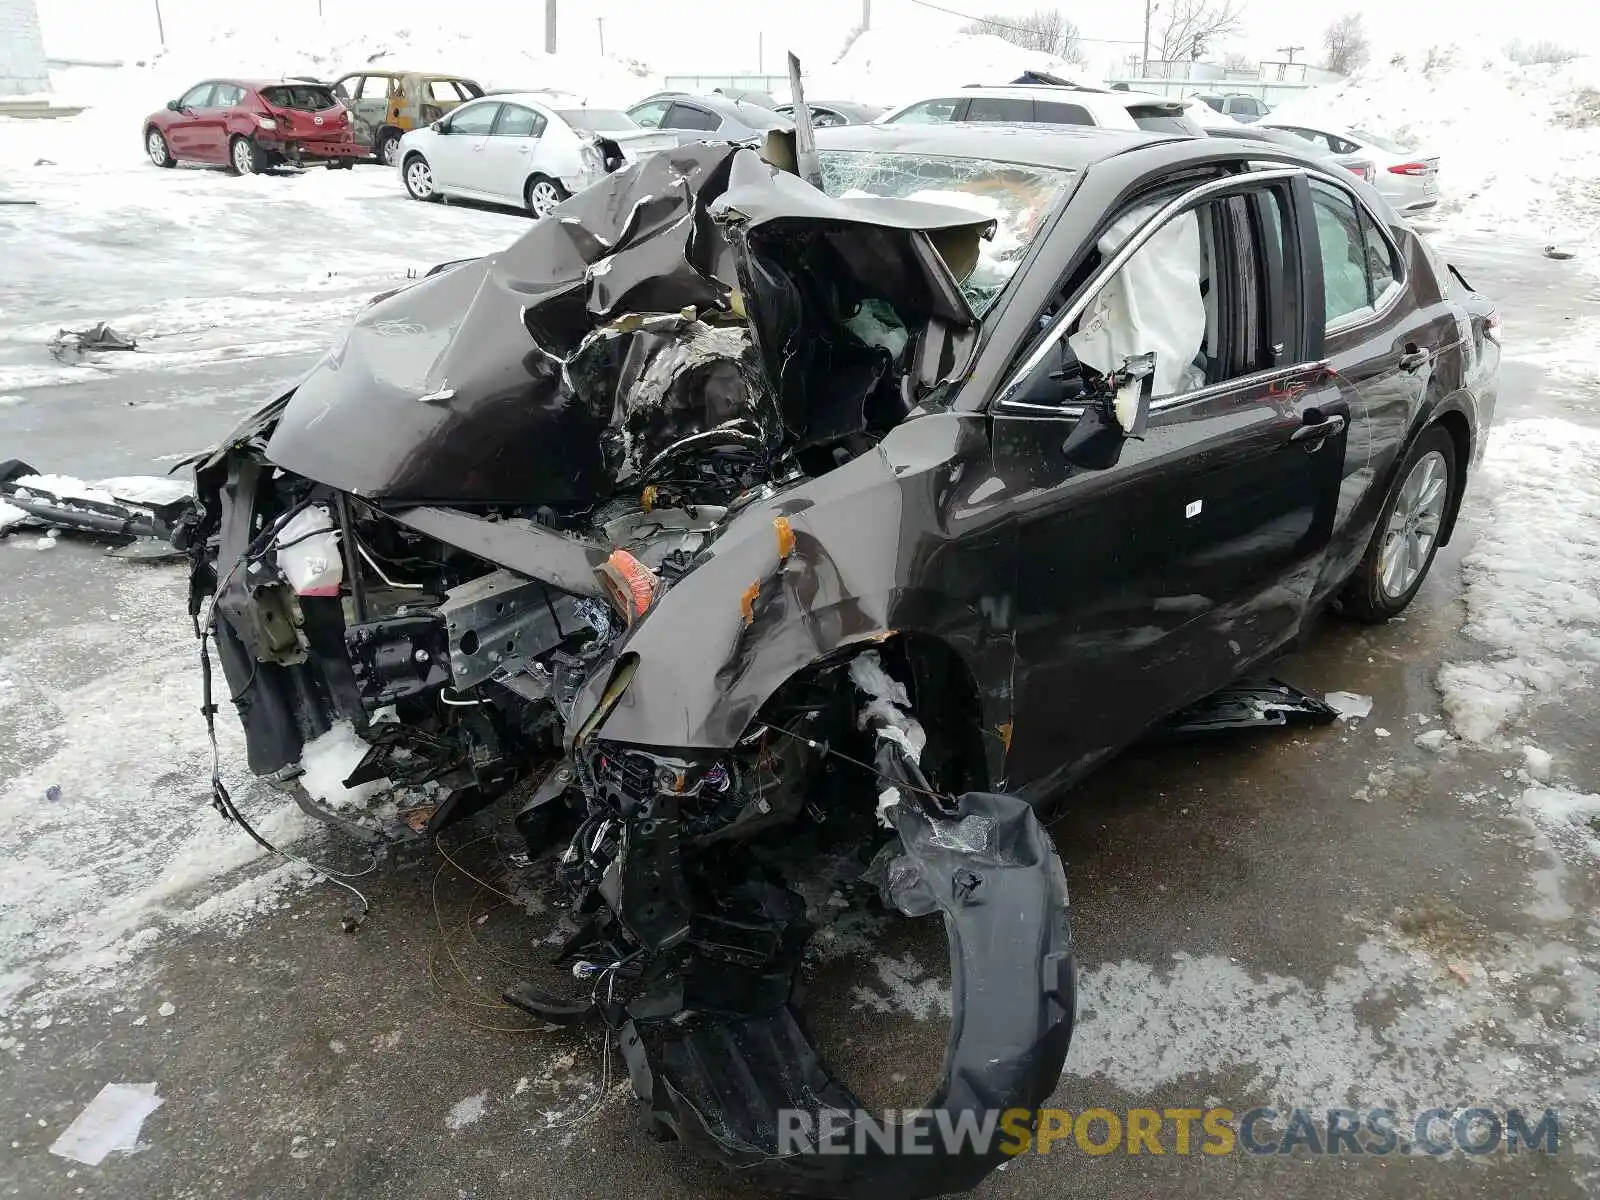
1190 27
1237 60
1345 46
1045 29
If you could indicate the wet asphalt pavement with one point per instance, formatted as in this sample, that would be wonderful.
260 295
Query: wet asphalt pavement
1309 917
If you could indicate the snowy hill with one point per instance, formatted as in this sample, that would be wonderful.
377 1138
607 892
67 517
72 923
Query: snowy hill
1517 144
884 66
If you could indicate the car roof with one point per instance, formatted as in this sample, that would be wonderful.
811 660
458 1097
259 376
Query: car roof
1085 96
1063 147
399 74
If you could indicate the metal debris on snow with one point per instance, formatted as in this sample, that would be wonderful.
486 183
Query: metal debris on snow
111 1121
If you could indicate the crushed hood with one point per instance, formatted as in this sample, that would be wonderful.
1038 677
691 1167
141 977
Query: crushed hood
703 297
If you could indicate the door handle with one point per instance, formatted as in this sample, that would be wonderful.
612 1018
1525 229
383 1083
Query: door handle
1315 431
1413 359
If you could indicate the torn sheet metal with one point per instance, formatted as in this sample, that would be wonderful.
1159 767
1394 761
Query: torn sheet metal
70 345
528 357
111 1121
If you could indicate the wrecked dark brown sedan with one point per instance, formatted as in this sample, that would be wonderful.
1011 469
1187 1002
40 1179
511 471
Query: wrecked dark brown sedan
735 519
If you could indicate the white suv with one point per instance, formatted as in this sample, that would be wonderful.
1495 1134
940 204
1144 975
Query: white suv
1042 105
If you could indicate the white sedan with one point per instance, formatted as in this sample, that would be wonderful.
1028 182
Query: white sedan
1407 178
521 149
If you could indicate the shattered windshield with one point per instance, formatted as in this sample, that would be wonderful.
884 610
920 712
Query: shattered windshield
1015 195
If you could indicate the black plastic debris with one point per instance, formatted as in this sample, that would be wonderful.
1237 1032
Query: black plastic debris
1249 704
72 344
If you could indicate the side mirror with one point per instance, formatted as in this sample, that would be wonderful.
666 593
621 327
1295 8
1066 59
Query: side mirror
1120 411
174 106
439 127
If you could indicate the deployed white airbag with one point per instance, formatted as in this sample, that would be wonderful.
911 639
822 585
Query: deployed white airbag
1152 305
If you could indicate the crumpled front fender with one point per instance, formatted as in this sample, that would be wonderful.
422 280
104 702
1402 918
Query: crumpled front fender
872 555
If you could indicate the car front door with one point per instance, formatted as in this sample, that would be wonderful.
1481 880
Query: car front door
459 156
1148 583
511 153
367 98
183 133
690 122
934 112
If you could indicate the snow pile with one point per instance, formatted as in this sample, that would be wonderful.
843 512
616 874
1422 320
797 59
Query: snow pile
1516 144
1532 582
884 66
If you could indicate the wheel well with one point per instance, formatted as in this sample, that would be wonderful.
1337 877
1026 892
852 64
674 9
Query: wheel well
1455 424
943 694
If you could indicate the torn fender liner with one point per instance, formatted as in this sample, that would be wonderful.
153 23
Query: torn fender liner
730 1086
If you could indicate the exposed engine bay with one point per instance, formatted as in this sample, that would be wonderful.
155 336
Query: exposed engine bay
455 532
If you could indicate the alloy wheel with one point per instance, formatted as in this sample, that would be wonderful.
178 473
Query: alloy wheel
1414 524
389 151
156 146
244 157
543 196
419 179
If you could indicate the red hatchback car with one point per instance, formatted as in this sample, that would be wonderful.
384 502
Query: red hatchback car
250 126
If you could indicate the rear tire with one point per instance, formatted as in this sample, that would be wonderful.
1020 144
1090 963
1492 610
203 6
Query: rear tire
541 194
387 146
341 164
1407 535
155 145
243 157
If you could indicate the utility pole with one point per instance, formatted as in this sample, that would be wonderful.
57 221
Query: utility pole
1291 51
160 28
600 24
866 14
549 26
1144 58
761 52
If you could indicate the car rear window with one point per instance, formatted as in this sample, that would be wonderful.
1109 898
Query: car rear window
596 120
1161 118
1053 112
301 96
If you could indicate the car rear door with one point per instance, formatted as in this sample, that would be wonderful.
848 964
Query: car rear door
1385 325
690 122
218 120
1148 584
511 153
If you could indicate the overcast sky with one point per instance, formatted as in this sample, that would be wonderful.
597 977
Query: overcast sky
726 35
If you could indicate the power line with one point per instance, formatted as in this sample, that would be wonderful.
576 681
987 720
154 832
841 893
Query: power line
1016 28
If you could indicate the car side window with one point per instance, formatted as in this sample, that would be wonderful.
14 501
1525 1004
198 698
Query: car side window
649 116
516 121
1345 287
1341 145
1383 268
443 91
989 108
197 97
1054 112
826 118
226 95
474 120
688 116
930 112
1195 294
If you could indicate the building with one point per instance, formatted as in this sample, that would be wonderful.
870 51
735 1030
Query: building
22 66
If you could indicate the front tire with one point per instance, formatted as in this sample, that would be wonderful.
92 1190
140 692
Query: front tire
419 179
155 145
542 194
1407 535
243 156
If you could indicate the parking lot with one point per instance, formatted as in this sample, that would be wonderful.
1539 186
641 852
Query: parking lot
1370 914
